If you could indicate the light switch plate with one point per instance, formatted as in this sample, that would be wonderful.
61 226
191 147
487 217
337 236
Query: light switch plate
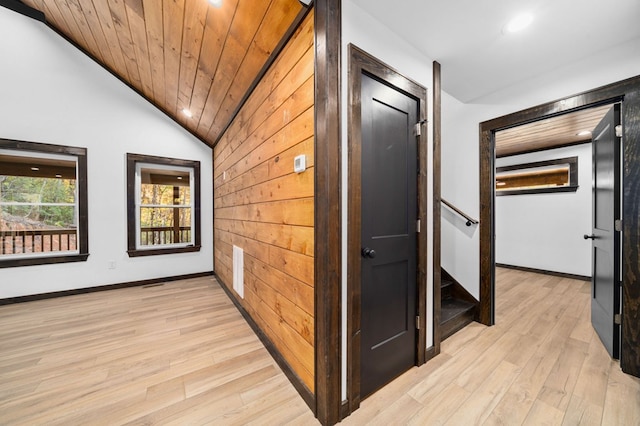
300 163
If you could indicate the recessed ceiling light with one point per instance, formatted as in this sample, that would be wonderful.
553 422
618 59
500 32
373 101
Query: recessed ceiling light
216 3
179 177
35 169
583 133
58 176
519 23
186 112
498 183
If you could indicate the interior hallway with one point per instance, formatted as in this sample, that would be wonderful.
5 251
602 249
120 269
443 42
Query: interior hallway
181 353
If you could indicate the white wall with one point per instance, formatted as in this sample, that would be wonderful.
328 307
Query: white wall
53 93
545 231
370 35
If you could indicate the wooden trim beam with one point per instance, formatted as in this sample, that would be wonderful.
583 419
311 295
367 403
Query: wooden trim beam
328 235
437 208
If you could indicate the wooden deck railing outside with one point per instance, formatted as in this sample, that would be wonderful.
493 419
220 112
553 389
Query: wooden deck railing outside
164 235
38 241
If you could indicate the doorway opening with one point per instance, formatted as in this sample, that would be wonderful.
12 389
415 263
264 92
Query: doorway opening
628 93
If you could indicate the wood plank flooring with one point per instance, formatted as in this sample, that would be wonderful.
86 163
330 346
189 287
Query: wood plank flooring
180 353
541 363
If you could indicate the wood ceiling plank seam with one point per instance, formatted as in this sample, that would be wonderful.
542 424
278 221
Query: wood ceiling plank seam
194 20
103 14
153 14
68 25
220 121
216 32
246 22
100 37
35 4
138 31
121 27
273 27
272 78
173 21
76 12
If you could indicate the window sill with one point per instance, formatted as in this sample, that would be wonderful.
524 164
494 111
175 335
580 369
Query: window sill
48 260
570 188
155 252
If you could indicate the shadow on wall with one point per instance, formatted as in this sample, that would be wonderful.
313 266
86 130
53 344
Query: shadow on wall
458 222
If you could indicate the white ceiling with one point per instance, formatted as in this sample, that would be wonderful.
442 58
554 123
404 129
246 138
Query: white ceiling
478 60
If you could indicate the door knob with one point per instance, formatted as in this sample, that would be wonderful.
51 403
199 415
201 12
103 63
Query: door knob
368 252
589 237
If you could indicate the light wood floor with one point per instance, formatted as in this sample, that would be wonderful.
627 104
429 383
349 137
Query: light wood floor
541 364
181 354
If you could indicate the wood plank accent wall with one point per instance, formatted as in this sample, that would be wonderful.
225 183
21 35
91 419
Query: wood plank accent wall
266 209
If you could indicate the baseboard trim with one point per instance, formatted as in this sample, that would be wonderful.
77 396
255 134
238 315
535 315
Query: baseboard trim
545 272
64 293
297 383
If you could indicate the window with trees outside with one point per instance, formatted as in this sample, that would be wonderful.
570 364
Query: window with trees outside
163 205
43 203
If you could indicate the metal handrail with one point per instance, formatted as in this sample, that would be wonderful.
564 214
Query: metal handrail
470 220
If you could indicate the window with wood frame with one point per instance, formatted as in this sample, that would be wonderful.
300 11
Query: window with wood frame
163 203
43 204
560 175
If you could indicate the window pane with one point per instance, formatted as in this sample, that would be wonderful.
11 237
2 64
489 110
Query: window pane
21 189
159 211
162 225
38 203
164 195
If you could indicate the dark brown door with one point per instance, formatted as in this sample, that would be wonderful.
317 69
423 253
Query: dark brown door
605 288
389 214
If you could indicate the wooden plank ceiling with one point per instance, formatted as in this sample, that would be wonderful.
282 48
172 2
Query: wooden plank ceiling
179 54
550 133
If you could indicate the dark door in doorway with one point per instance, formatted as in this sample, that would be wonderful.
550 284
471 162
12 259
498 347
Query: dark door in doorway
389 214
605 281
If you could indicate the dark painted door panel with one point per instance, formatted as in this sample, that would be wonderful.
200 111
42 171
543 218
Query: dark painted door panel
389 213
605 281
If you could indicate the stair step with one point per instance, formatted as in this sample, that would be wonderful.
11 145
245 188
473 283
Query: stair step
445 288
444 283
455 314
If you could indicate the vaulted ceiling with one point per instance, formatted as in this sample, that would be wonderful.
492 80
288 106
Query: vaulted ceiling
179 54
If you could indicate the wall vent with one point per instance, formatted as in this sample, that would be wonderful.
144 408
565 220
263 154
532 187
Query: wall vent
238 271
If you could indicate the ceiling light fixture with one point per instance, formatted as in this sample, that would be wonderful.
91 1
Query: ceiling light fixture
35 169
584 133
58 175
216 3
519 23
186 112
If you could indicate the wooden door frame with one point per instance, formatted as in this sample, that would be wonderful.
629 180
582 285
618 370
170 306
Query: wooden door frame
629 92
359 62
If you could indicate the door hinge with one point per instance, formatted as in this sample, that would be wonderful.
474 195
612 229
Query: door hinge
417 128
617 319
418 226
617 224
417 322
619 131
